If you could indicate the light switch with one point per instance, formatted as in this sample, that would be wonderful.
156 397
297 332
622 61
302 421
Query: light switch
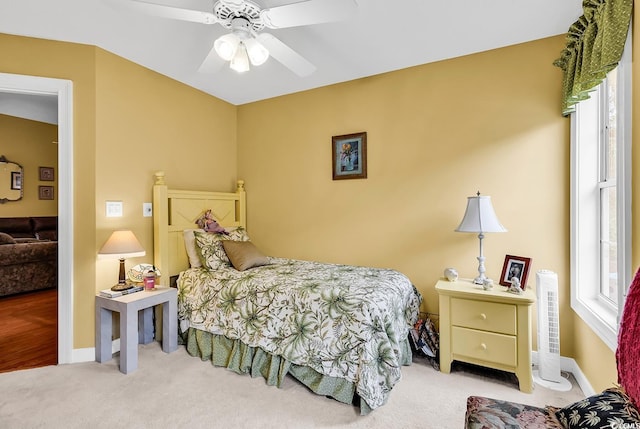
147 209
114 208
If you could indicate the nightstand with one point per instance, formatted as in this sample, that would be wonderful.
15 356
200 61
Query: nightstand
488 328
128 306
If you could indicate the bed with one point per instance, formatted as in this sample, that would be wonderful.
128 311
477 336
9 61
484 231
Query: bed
340 330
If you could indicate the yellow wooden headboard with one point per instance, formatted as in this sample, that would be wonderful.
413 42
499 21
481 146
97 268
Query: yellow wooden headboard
177 210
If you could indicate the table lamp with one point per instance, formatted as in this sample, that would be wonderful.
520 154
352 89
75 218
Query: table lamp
121 245
480 217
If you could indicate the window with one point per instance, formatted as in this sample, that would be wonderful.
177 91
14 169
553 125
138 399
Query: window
601 202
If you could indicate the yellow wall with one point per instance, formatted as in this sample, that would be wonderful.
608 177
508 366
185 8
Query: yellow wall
36 57
437 133
128 123
29 143
146 122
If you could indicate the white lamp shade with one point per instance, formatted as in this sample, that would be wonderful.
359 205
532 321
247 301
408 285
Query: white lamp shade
240 61
258 54
480 217
121 244
226 46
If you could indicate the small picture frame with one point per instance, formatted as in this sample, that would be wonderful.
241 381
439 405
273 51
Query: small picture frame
349 156
515 266
46 174
16 180
45 192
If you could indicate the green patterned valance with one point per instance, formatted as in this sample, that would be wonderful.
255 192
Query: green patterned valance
594 47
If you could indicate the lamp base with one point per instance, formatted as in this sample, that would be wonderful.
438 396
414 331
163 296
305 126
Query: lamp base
119 287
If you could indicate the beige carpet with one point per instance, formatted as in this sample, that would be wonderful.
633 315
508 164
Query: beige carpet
179 391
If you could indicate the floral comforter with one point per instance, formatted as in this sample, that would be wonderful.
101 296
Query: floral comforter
342 321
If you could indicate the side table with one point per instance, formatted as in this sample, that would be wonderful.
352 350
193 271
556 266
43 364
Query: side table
128 306
488 328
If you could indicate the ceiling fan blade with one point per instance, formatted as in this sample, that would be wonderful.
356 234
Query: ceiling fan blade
308 12
285 55
171 12
212 62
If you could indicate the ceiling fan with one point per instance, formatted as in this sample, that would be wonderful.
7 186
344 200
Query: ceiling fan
246 42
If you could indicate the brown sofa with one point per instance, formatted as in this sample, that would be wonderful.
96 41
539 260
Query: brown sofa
28 254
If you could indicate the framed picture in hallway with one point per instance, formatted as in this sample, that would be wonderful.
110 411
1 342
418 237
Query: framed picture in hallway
46 174
349 156
45 192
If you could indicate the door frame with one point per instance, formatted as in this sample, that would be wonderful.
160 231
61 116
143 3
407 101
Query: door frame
36 85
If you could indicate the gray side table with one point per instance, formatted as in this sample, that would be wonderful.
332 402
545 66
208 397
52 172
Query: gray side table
128 306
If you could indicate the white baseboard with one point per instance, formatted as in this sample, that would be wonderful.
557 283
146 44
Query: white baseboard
89 354
570 365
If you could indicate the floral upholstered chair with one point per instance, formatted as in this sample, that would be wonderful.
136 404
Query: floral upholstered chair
614 408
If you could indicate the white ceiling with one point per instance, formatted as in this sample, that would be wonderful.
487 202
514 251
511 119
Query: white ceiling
35 107
382 36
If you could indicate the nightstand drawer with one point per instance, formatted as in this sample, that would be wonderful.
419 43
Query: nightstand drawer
485 346
483 315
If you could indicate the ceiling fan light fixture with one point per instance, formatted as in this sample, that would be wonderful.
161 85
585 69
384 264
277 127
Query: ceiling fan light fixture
258 54
227 46
240 61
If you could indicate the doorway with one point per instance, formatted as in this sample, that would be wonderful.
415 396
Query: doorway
63 89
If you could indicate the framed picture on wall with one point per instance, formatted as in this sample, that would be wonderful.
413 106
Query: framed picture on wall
349 156
16 180
46 174
45 192
515 266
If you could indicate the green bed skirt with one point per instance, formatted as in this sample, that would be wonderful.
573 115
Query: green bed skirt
243 359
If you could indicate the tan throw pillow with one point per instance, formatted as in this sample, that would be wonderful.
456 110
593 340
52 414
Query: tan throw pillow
244 255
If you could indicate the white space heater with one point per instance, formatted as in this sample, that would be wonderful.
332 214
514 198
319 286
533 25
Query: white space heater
548 373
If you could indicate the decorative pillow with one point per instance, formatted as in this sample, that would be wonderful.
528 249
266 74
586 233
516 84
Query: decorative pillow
491 413
6 239
190 247
611 408
243 254
211 252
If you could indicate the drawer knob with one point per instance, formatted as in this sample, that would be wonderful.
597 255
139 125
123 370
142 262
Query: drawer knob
483 316
483 346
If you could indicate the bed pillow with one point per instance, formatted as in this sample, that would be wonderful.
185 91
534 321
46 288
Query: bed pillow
190 247
210 250
243 254
6 239
611 408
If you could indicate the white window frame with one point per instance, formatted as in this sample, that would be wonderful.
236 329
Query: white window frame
598 313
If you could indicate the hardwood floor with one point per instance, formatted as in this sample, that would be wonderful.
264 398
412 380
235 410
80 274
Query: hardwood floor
29 330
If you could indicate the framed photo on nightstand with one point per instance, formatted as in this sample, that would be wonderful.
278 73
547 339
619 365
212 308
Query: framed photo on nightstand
515 266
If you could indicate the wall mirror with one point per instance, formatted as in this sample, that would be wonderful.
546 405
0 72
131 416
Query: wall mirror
10 180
